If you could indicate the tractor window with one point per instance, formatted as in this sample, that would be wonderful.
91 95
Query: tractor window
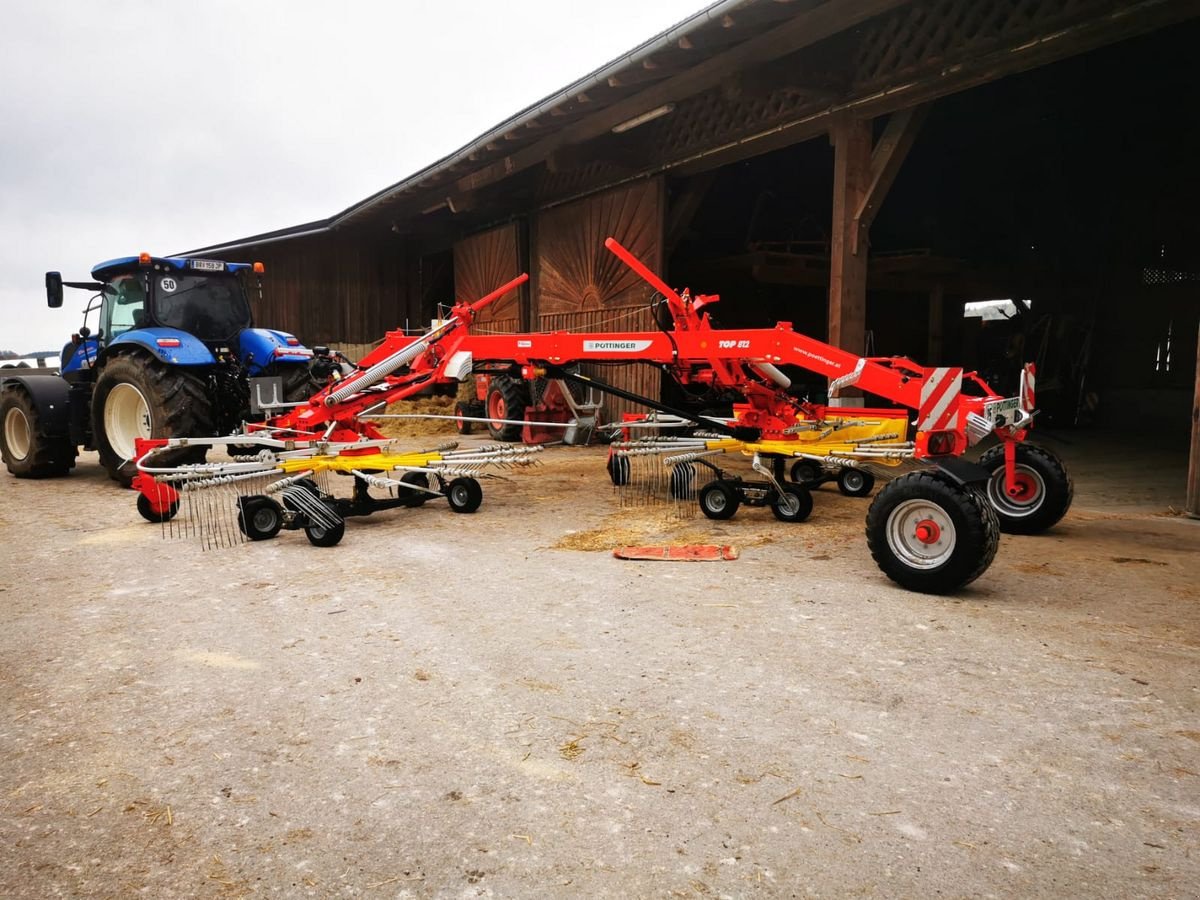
211 307
124 306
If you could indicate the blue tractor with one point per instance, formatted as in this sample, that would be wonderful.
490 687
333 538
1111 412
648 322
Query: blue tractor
174 354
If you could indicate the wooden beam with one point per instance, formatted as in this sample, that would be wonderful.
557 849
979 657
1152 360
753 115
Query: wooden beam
937 324
1193 484
851 140
683 209
807 27
886 159
942 80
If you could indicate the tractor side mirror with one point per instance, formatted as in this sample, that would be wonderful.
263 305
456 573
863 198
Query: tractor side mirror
54 295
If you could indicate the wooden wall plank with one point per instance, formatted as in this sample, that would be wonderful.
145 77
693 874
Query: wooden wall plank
583 287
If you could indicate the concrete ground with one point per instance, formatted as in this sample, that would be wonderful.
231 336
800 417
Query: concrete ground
454 705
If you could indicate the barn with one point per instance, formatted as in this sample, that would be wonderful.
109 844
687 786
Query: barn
959 182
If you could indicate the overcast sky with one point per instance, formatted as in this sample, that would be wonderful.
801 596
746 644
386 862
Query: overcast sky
161 126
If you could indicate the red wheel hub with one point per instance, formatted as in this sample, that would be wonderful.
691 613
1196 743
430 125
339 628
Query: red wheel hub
1023 487
928 531
496 407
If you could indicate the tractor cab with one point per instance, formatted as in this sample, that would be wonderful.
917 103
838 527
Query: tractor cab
183 311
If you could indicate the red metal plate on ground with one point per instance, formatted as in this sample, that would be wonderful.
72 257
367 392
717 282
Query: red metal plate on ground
679 553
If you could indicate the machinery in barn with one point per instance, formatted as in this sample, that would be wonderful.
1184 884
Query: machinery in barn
933 528
175 354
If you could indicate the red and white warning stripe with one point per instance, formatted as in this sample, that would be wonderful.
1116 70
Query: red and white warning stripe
1028 379
939 400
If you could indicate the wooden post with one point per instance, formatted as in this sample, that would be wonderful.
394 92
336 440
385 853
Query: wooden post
862 176
851 139
937 324
1193 485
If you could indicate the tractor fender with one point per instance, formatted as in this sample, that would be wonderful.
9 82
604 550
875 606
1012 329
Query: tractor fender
168 345
261 347
51 398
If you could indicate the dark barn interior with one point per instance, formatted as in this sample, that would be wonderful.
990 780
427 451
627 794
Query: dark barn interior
1071 186
860 169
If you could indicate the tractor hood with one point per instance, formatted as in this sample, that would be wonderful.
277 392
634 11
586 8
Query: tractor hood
259 348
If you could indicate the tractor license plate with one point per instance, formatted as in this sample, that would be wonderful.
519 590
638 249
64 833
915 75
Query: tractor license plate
1001 409
208 265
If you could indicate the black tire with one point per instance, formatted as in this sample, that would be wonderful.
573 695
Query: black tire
320 536
416 498
174 404
855 482
463 428
259 517
794 506
618 469
150 514
298 381
1048 489
682 481
506 399
29 451
931 535
719 500
806 471
464 495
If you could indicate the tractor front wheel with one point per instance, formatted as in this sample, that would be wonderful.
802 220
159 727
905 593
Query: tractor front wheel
931 535
28 451
1043 489
136 397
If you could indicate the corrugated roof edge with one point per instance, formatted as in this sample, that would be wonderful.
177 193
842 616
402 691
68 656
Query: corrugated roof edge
633 57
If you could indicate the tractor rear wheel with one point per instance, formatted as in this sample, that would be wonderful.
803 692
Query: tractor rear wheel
136 397
1044 489
505 400
28 451
931 535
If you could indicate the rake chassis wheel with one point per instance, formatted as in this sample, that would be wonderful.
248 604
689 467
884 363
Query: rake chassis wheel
930 534
1044 489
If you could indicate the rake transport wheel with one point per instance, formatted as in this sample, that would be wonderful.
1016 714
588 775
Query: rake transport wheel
464 495
719 500
164 513
793 505
855 482
28 451
136 397
505 400
1044 489
416 498
806 471
931 535
618 469
259 517
325 535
